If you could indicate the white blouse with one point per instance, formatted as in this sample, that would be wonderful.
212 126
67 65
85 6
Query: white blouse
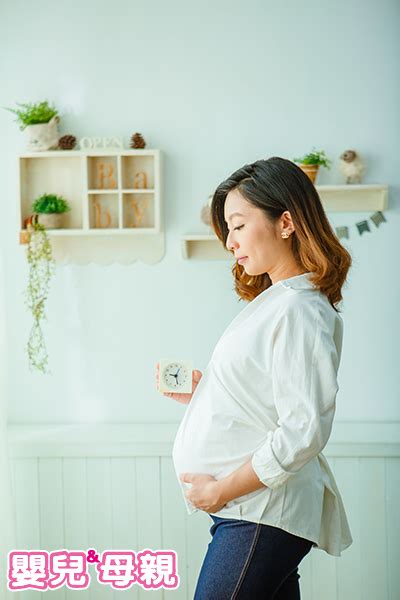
268 393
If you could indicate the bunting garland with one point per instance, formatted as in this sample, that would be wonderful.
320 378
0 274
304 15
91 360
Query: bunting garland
377 218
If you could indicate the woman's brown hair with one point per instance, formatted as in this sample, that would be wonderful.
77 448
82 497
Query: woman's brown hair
275 185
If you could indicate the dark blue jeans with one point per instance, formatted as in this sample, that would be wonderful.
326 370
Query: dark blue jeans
250 561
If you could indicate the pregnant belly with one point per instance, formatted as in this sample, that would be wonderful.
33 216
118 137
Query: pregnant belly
218 449
216 446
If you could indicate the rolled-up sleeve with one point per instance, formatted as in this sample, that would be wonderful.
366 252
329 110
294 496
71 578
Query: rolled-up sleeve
305 362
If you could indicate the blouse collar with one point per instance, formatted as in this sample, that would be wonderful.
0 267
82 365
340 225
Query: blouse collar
298 282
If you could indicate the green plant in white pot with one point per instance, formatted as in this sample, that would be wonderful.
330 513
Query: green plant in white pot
50 209
40 122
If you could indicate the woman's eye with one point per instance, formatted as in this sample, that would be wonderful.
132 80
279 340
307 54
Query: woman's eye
240 227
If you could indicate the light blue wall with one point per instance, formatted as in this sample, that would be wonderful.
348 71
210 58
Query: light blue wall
214 85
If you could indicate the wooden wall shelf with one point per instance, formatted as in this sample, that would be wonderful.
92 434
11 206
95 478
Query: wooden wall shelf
114 194
204 247
353 198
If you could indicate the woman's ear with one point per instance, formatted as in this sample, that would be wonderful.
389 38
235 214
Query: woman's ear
286 222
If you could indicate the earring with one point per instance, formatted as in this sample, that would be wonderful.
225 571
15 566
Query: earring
285 234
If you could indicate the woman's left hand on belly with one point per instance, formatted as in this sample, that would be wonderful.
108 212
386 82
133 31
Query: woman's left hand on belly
205 493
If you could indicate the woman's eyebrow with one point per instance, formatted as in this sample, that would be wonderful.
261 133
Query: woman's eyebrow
232 215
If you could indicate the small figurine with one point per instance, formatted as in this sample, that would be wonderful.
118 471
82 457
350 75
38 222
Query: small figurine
352 166
205 214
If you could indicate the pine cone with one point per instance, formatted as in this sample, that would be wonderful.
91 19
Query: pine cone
67 142
137 141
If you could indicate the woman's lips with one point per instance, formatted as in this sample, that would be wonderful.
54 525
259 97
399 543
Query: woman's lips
240 260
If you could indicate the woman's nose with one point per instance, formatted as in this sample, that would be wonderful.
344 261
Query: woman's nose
230 244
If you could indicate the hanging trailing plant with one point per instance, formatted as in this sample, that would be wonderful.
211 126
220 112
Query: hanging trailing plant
41 269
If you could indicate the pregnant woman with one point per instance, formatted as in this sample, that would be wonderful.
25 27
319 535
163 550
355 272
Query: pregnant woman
249 448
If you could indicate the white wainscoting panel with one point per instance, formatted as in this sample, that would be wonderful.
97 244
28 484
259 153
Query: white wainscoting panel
114 487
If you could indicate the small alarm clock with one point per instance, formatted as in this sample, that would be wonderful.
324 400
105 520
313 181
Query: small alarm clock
175 376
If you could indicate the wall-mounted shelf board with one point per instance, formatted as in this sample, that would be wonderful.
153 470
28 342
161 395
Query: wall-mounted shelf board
353 198
335 198
204 247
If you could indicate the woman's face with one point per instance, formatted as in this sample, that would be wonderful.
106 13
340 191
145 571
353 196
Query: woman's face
253 236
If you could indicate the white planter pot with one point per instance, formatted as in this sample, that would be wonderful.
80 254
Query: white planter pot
43 136
51 220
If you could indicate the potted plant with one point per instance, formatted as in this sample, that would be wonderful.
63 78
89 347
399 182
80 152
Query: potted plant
41 268
50 209
310 163
40 122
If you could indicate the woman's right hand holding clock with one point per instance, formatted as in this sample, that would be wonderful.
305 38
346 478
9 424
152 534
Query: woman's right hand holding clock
183 398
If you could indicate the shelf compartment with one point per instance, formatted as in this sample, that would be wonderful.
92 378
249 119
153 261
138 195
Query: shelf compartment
137 172
138 211
103 211
102 173
48 175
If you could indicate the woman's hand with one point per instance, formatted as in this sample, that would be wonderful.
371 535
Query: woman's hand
183 398
205 493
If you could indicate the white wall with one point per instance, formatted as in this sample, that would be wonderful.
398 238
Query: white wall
214 85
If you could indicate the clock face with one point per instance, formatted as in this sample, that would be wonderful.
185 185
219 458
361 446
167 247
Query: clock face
175 375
